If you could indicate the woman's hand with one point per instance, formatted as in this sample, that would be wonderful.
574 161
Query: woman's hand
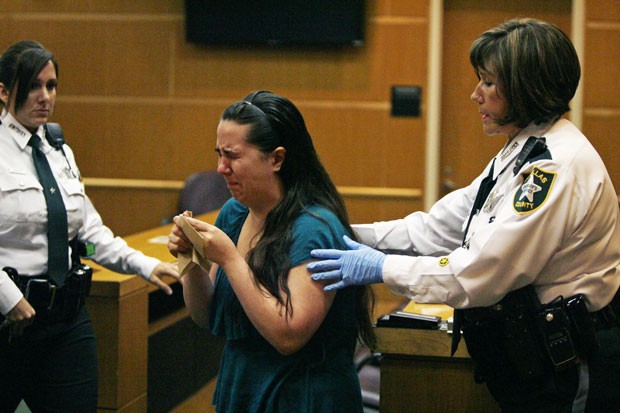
177 241
163 269
197 283
218 247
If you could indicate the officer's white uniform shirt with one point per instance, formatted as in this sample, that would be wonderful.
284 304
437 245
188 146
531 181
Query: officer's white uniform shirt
23 214
555 225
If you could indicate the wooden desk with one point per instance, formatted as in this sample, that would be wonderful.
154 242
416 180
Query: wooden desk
418 375
118 305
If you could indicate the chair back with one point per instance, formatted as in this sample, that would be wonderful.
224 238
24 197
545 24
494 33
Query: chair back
203 192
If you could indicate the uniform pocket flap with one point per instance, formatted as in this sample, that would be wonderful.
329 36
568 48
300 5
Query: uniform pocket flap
16 181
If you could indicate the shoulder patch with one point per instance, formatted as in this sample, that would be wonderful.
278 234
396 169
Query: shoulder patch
534 191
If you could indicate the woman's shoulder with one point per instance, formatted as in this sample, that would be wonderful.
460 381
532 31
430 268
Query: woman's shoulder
317 215
231 210
318 225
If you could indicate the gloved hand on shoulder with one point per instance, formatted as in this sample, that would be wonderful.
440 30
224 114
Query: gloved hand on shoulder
360 265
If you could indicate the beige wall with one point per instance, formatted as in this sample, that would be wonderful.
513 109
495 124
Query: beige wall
138 102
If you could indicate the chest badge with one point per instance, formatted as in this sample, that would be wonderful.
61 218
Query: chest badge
491 202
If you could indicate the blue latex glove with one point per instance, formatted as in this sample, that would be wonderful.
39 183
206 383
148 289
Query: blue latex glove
360 265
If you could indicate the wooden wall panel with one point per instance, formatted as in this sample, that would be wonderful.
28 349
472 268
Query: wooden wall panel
604 10
601 82
363 147
126 210
91 6
103 55
363 210
401 8
601 65
402 49
137 139
602 131
367 147
233 72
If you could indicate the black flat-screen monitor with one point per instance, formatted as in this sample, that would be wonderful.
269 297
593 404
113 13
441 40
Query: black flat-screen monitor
275 22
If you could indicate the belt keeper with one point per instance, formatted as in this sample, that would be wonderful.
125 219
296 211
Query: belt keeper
53 297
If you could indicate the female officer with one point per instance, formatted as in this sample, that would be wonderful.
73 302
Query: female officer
537 232
289 344
47 345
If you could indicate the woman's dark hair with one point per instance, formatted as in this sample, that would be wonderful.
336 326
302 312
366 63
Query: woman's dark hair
8 60
29 65
536 66
275 121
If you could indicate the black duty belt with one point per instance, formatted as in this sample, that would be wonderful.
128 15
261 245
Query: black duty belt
606 317
533 338
53 303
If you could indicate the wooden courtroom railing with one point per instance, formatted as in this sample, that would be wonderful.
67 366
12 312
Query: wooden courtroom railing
349 191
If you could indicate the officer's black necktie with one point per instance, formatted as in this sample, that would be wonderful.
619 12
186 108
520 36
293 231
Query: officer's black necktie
57 232
483 193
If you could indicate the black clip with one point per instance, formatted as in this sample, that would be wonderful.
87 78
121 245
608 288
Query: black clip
533 147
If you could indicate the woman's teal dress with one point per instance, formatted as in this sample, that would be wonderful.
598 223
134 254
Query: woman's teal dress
253 376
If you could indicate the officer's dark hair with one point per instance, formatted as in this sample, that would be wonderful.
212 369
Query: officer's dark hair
276 122
536 66
29 64
8 61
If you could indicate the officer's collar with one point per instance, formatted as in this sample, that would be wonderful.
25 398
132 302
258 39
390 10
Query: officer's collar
512 148
20 134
